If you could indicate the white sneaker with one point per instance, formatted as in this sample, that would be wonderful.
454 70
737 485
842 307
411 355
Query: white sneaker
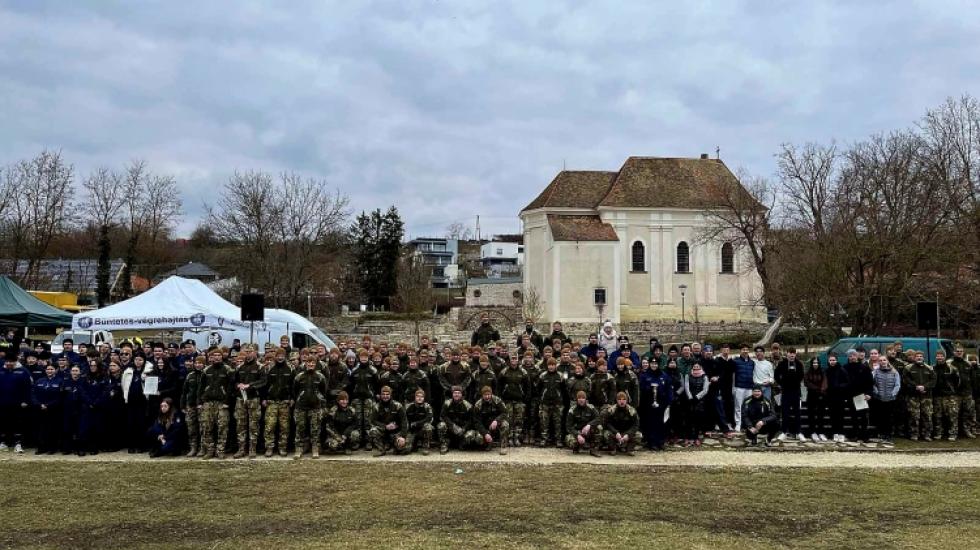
823 438
815 438
836 438
843 438
3 446
781 437
800 438
18 448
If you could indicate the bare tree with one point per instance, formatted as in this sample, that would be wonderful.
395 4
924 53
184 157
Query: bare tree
104 200
286 231
457 230
42 189
531 304
741 214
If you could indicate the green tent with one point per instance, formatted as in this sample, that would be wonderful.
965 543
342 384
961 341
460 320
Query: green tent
18 308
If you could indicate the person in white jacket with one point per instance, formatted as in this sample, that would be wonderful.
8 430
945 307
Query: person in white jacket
608 338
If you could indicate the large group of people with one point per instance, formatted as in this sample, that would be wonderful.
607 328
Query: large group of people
545 390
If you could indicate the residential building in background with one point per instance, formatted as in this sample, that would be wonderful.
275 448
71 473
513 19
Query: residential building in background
441 255
191 270
502 258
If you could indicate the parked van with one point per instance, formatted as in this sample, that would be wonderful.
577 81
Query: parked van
927 346
301 331
89 337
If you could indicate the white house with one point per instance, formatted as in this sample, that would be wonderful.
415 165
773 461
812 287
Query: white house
623 245
502 258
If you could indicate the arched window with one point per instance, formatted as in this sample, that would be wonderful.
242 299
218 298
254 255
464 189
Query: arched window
639 257
727 258
683 258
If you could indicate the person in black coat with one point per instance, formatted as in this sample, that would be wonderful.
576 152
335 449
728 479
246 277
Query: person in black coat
168 431
93 403
72 403
759 417
838 393
789 377
861 384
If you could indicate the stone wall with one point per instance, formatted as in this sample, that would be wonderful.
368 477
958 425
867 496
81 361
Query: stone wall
493 294
458 326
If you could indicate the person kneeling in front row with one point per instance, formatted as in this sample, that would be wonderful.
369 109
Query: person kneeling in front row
759 417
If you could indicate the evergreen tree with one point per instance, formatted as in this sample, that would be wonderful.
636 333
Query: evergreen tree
377 242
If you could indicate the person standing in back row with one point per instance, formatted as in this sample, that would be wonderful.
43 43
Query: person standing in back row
789 377
485 333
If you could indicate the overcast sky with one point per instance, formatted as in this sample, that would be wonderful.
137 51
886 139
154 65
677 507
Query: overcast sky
453 109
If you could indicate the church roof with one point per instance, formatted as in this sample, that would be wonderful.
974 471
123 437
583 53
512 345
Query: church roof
580 228
574 189
642 182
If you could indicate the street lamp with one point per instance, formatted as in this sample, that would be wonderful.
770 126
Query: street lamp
683 294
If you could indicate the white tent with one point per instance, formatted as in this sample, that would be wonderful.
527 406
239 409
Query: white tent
174 304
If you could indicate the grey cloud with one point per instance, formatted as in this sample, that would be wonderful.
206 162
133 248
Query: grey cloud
449 109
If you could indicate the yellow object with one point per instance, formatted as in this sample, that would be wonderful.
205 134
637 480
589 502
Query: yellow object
67 301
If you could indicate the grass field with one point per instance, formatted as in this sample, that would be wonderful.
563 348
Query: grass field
317 504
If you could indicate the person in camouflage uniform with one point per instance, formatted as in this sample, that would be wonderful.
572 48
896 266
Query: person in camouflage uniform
945 399
309 395
393 379
551 389
188 402
337 376
413 380
250 378
216 394
342 426
531 412
621 426
455 424
389 425
584 426
603 392
578 381
454 373
482 376
363 387
419 416
513 386
485 333
968 412
919 380
490 419
277 399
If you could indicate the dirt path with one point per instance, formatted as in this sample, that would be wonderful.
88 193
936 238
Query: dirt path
547 457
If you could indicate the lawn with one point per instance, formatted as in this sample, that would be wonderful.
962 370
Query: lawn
315 504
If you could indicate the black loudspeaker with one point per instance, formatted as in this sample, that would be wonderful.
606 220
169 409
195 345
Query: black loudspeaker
253 307
926 315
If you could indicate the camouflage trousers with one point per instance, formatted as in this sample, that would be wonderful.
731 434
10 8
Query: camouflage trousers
364 408
379 437
549 418
500 435
515 412
462 438
214 427
422 436
945 416
592 441
247 414
920 416
968 415
307 420
609 438
276 414
350 439
192 419
531 420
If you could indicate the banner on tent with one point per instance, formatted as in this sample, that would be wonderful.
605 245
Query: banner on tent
194 321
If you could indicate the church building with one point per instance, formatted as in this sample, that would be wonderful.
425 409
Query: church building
625 246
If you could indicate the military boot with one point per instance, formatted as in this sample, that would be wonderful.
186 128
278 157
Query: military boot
268 452
282 451
299 452
316 451
193 452
251 452
240 453
443 448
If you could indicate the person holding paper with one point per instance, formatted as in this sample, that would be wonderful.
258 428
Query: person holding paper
861 384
